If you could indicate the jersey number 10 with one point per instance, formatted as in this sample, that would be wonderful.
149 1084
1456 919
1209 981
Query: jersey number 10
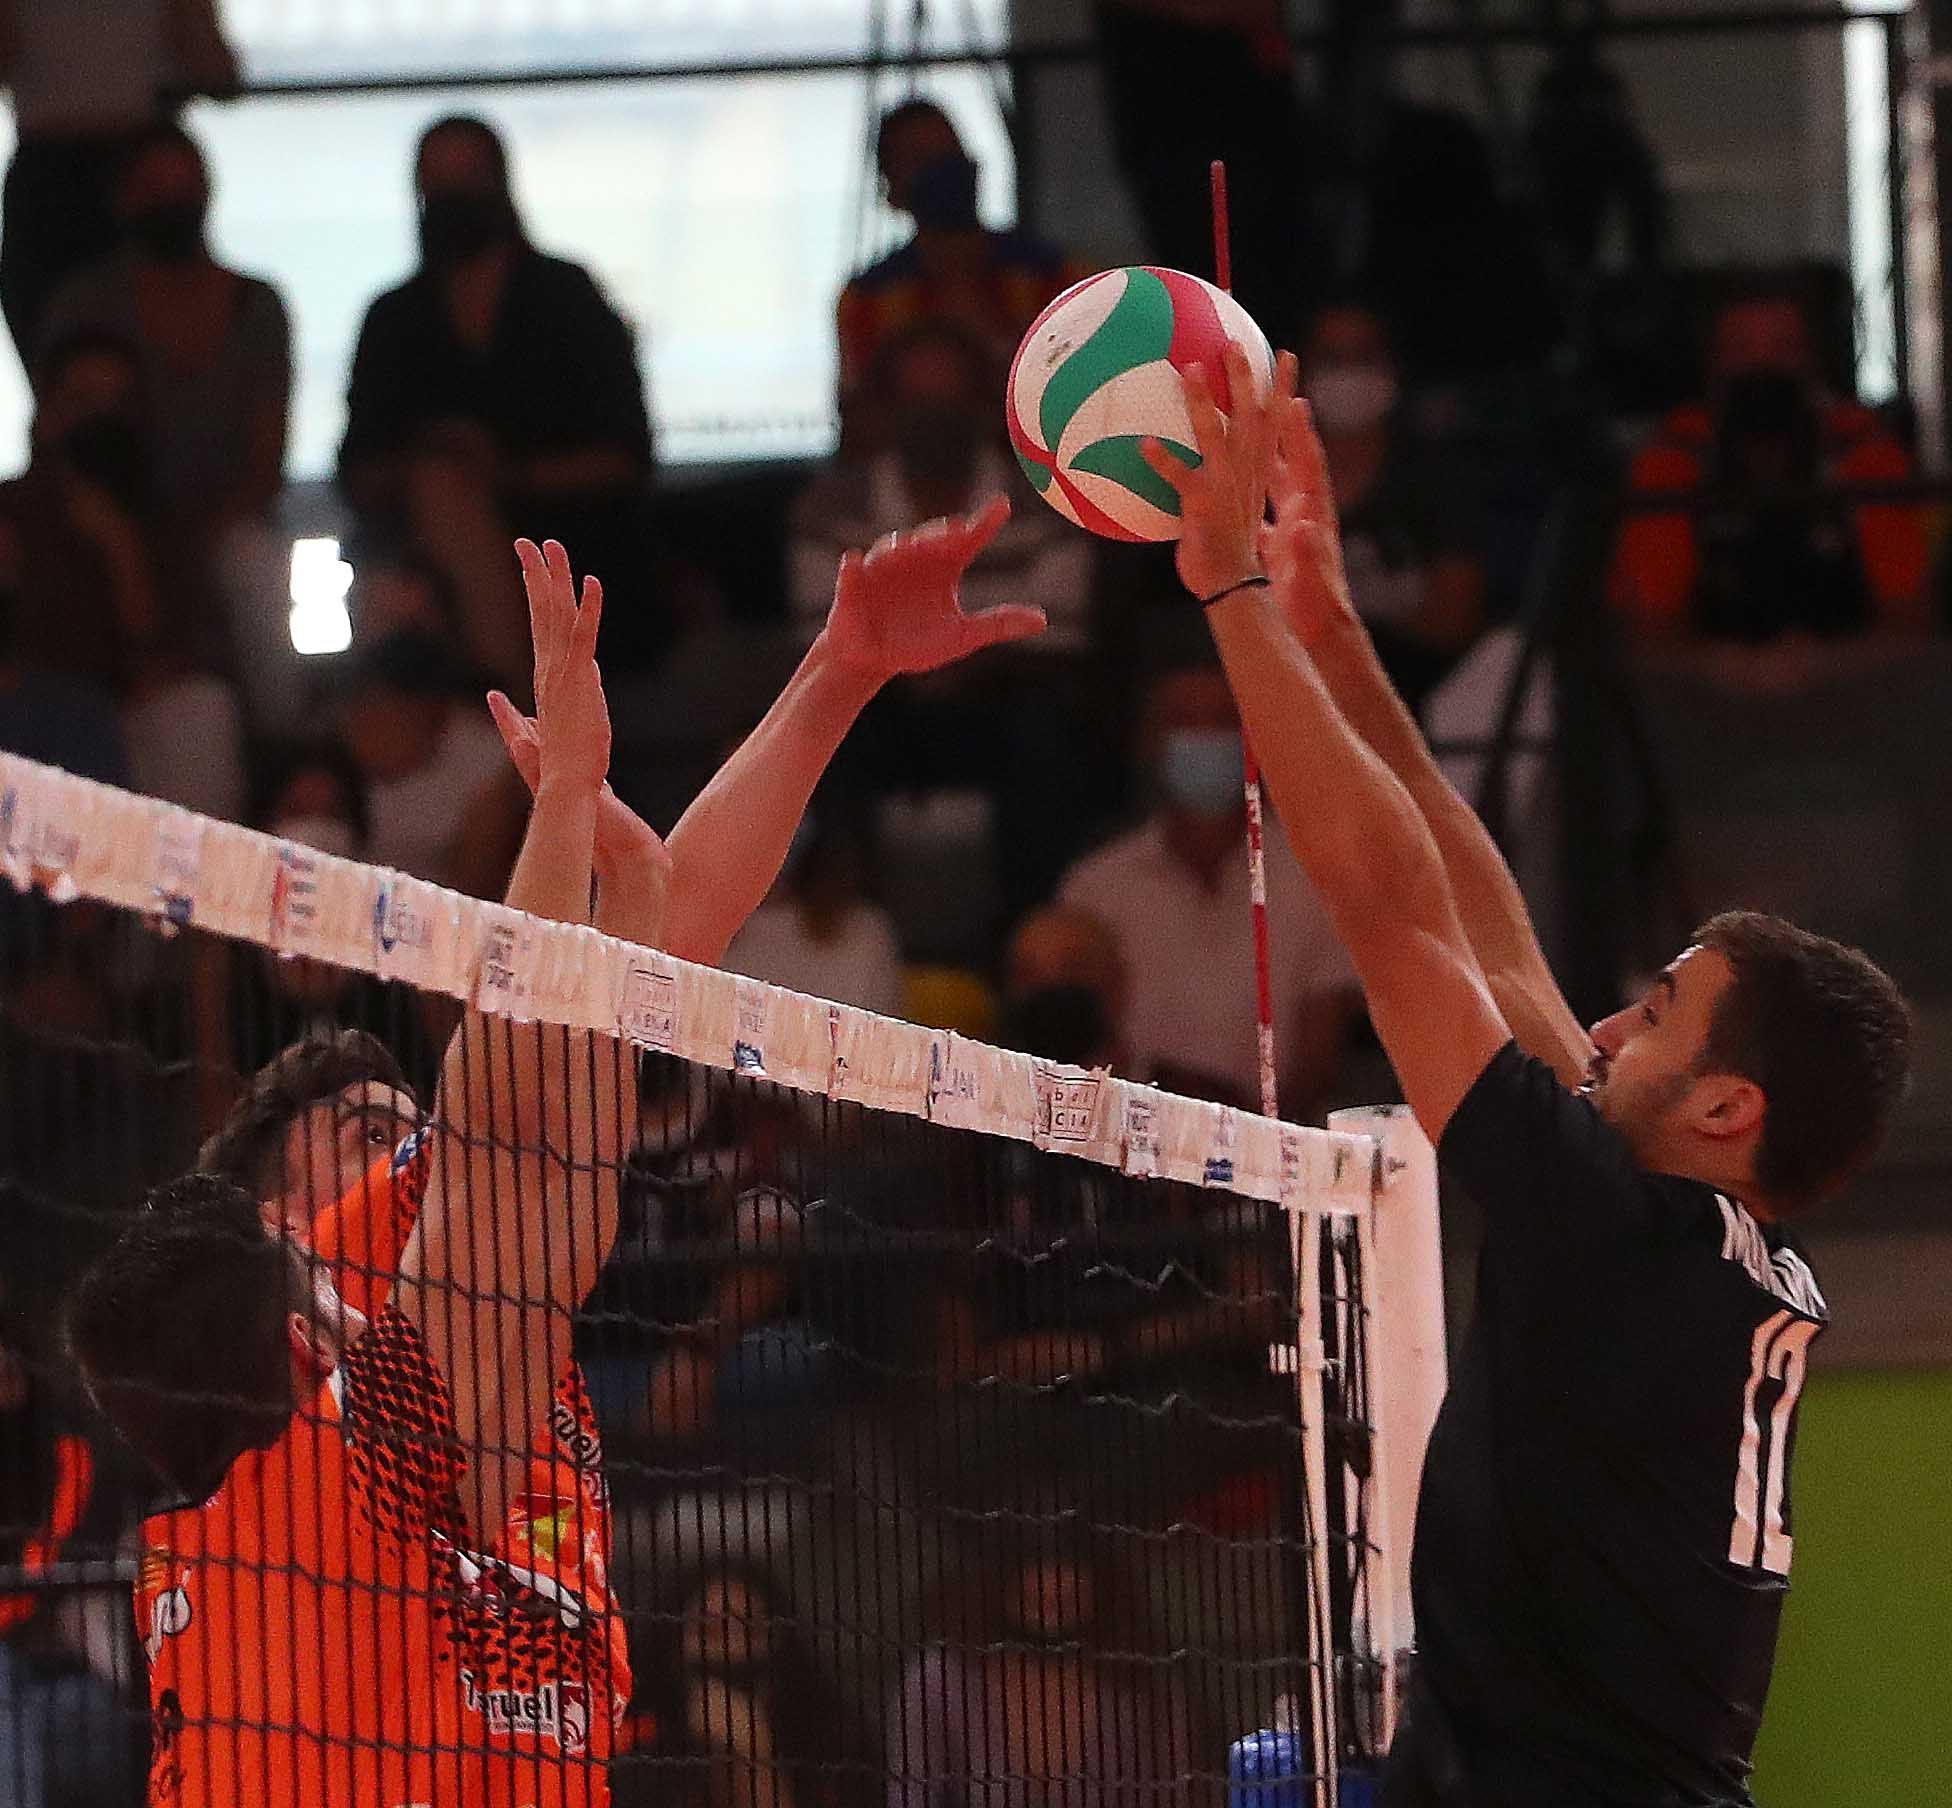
1759 1538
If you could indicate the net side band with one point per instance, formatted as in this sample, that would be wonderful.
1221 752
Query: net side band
71 838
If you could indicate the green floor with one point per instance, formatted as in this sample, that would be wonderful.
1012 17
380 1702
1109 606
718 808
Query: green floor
1861 1712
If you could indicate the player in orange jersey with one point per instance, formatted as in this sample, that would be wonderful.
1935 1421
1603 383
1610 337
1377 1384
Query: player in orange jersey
342 1610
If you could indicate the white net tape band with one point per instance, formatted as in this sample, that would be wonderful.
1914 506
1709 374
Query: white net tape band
73 838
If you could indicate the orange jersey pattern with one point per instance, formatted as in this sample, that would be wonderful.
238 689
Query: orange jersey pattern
323 1629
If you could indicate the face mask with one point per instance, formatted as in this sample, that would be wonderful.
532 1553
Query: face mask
1349 397
458 225
1203 770
323 834
171 234
943 194
109 451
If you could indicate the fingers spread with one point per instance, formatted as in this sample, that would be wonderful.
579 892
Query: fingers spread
977 530
589 618
1008 621
1209 424
1169 465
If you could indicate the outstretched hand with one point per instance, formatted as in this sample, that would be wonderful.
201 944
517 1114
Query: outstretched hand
898 606
1223 501
627 847
572 719
1302 546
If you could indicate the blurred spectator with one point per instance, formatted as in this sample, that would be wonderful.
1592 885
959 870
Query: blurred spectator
818 932
66 1735
1187 81
1174 893
1064 989
86 75
760 1716
212 346
751 1341
316 797
992 284
496 392
1592 169
54 717
1413 215
444 802
1021 1701
97 600
1774 551
1005 722
1410 538
943 455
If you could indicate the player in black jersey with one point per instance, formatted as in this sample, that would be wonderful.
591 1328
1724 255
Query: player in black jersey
1603 1539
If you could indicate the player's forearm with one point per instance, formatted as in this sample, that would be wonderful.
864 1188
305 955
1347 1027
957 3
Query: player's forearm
1496 919
1352 823
728 848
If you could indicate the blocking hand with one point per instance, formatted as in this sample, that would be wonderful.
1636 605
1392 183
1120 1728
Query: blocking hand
898 606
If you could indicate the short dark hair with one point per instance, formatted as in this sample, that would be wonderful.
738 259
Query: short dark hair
1826 1035
906 113
248 1147
178 1331
471 125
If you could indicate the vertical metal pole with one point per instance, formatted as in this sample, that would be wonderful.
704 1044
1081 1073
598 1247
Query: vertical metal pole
1897 85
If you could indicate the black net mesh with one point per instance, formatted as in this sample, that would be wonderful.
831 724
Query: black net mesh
934 1468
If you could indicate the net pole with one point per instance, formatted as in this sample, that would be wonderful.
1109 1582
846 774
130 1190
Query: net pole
1410 1365
1223 271
1305 1241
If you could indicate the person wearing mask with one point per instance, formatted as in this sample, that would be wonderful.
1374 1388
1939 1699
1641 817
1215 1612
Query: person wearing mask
86 76
98 600
213 346
1775 556
1002 724
1174 894
497 392
1410 534
992 283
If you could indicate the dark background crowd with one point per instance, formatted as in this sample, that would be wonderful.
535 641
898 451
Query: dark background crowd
1668 596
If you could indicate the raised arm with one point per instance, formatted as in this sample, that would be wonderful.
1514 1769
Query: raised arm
529 1121
1351 823
1303 549
897 609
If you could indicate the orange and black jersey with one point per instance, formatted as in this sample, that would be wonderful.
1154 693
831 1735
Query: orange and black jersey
325 1629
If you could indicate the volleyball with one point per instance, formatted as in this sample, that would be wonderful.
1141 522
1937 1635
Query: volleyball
1099 371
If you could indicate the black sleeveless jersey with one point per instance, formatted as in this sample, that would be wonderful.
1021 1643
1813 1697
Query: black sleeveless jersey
1603 1535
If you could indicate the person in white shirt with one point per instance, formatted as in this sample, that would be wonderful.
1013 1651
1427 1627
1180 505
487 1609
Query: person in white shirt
1174 894
817 933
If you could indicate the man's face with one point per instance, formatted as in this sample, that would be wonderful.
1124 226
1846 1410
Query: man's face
329 1147
913 146
1193 731
1649 1054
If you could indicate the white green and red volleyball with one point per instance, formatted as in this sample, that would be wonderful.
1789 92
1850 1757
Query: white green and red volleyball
1099 370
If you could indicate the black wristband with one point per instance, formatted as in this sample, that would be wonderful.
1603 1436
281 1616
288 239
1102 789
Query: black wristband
1220 596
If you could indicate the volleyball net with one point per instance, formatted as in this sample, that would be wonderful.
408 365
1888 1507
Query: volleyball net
951 1426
